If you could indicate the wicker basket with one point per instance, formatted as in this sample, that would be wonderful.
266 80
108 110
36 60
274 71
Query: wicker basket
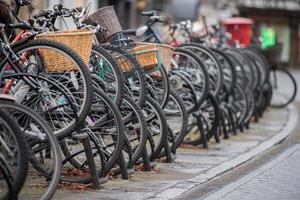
79 40
166 53
107 18
124 63
147 55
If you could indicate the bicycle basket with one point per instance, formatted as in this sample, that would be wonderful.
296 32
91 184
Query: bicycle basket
79 40
166 52
147 55
124 63
107 18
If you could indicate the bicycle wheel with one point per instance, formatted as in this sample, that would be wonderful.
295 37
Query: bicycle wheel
241 78
284 88
262 66
40 139
229 73
256 70
135 85
188 64
14 148
78 81
247 69
105 67
212 65
159 86
211 116
104 124
46 96
136 128
205 122
6 181
184 88
157 127
177 119
250 104
240 104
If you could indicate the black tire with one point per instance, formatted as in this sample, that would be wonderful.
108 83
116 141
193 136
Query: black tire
256 70
117 143
182 114
282 91
40 101
159 86
262 66
240 104
84 102
10 124
184 89
241 78
215 121
116 73
216 83
131 120
24 116
155 116
7 177
200 68
136 74
229 73
250 105
244 67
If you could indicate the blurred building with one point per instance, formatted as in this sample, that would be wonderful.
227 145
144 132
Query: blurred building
281 15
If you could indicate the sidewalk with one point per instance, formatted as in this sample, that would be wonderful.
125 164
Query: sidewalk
196 166
279 179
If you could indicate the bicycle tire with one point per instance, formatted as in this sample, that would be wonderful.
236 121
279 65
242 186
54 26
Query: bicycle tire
179 136
294 86
51 139
6 174
111 161
22 148
200 69
119 79
156 139
82 68
196 48
231 70
136 72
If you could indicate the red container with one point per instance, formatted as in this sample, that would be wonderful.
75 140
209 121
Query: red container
240 29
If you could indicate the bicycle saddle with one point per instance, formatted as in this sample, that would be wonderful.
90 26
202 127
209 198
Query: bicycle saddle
149 13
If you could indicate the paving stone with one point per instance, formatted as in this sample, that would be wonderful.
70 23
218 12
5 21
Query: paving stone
170 193
280 181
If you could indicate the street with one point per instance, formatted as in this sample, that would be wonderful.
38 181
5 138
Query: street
279 179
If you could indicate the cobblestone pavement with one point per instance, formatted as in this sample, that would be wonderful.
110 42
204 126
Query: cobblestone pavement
279 179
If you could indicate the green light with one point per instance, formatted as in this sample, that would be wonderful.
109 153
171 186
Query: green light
268 36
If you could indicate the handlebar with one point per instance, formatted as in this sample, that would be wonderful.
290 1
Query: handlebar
22 25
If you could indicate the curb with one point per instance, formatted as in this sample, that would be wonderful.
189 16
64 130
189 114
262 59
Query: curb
181 187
